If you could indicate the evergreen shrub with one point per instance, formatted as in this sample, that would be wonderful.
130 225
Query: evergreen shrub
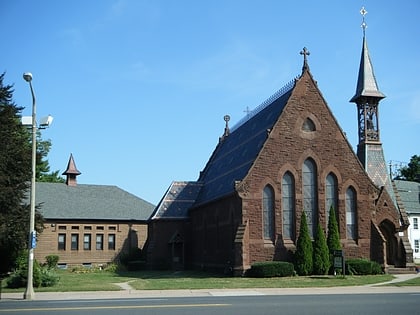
52 261
268 269
360 266
303 258
321 258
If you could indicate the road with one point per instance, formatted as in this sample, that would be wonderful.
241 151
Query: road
343 304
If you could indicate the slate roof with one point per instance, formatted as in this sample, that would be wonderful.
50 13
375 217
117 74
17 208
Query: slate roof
236 153
366 82
409 193
90 202
177 200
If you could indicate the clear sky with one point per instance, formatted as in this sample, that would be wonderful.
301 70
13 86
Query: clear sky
138 88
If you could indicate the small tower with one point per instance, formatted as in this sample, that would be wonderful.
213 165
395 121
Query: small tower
367 98
71 172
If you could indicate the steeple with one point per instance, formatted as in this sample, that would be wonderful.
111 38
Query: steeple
367 98
367 95
71 172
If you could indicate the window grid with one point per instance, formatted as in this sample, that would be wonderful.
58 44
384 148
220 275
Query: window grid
288 206
111 241
99 241
86 241
415 223
268 212
351 218
310 193
61 241
74 241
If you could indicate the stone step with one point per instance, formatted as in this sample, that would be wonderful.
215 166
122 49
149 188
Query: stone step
399 271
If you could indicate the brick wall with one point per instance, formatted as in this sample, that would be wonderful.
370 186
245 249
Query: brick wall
127 235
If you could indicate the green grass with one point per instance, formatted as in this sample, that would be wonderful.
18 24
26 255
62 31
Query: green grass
167 280
408 283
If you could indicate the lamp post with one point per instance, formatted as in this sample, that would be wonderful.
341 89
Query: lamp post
29 293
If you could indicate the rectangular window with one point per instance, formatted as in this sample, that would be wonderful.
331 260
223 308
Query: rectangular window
99 241
75 242
415 223
61 241
86 241
416 246
111 241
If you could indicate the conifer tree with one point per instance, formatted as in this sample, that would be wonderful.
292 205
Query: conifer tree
321 259
304 251
333 236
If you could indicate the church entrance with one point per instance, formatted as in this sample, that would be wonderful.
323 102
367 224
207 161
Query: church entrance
177 251
388 231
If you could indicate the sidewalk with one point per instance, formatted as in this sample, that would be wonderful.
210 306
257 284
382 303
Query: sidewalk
130 293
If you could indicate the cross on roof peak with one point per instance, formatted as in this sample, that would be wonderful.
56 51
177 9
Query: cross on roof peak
305 52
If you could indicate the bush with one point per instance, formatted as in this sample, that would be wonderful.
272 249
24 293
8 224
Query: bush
303 257
271 269
42 276
361 266
52 261
321 258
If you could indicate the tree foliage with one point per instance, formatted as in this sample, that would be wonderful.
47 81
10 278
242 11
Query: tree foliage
333 235
411 172
15 176
43 173
304 251
321 258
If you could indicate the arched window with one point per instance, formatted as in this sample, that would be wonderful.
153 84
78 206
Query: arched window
351 213
331 193
310 194
288 206
268 212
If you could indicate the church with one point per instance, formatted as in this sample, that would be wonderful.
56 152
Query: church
287 157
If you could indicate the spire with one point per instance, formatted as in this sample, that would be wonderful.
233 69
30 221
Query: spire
305 52
366 82
71 172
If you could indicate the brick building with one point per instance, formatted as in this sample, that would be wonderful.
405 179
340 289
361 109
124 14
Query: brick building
89 224
288 156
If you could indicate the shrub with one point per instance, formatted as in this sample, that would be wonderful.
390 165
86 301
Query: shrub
303 256
321 258
361 266
333 236
271 269
52 261
48 277
41 276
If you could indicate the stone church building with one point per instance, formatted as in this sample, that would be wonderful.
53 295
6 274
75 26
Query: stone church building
289 155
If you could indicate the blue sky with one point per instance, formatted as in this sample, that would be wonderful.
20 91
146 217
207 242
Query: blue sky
138 89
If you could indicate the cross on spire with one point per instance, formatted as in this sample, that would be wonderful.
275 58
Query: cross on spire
305 52
363 12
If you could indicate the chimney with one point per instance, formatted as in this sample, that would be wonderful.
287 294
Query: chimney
71 172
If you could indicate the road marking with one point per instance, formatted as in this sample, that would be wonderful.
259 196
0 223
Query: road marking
46 309
236 293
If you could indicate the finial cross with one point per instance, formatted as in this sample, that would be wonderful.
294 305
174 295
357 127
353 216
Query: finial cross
363 12
305 52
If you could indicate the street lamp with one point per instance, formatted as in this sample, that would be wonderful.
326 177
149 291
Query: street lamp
29 293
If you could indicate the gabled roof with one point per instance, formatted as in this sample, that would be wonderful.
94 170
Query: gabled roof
409 193
236 152
177 200
90 202
366 82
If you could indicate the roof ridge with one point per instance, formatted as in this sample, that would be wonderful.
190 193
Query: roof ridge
283 90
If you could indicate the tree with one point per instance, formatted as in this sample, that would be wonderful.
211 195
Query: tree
411 172
15 176
321 258
304 251
333 235
43 173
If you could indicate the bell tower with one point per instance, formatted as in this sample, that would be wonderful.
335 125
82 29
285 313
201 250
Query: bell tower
367 98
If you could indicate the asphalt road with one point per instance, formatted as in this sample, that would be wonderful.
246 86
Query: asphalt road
343 304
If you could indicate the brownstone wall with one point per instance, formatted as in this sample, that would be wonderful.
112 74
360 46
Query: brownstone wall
168 245
127 235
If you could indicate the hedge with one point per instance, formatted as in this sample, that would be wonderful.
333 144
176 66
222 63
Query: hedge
271 269
362 267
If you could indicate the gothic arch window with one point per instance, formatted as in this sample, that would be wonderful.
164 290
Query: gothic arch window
331 194
310 194
351 213
288 206
268 212
308 125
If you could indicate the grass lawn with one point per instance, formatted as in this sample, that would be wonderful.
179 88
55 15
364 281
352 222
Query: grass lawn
168 280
